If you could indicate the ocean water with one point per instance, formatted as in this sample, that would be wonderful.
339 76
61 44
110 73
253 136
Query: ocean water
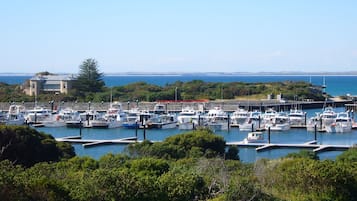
336 85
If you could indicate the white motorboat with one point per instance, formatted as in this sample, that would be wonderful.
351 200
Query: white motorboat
61 118
269 115
297 117
16 115
254 137
132 119
159 108
314 122
163 121
253 122
280 122
342 124
328 117
188 118
238 117
115 115
138 119
93 119
217 119
99 121
53 121
38 114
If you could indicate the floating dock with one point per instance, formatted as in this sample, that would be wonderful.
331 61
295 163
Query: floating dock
308 145
258 146
92 142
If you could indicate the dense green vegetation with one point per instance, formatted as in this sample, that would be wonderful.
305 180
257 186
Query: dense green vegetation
193 90
189 166
198 89
25 146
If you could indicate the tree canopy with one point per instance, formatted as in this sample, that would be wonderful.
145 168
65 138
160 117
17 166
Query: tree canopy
89 78
26 146
200 172
199 143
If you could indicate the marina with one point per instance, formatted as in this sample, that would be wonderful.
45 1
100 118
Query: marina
115 140
96 128
283 130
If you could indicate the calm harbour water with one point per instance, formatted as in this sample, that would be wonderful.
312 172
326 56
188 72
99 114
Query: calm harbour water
246 154
336 85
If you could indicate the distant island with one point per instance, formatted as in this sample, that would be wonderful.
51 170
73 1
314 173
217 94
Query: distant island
264 73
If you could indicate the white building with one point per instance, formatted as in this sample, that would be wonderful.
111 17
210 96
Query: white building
48 84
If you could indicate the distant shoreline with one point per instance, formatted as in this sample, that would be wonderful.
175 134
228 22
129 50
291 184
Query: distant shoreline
347 73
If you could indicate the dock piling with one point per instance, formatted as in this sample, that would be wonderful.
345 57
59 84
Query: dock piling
315 132
136 130
269 135
80 127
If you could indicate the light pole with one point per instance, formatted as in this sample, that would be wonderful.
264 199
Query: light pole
89 105
51 103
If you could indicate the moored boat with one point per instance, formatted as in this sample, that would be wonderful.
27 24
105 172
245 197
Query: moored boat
297 117
254 137
280 122
16 115
253 122
238 117
342 124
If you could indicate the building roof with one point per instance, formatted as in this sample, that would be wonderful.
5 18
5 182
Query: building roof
53 77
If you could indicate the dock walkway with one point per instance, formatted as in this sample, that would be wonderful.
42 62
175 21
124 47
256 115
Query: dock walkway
258 146
308 145
94 142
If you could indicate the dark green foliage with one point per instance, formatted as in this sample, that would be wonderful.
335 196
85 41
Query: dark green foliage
89 79
12 93
119 177
9 188
26 146
198 89
190 176
306 179
149 166
243 188
303 154
232 153
198 143
111 161
348 156
182 186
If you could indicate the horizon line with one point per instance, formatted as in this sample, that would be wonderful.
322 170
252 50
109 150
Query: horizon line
290 73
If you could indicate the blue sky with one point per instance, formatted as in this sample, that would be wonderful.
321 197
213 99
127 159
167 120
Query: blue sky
179 36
